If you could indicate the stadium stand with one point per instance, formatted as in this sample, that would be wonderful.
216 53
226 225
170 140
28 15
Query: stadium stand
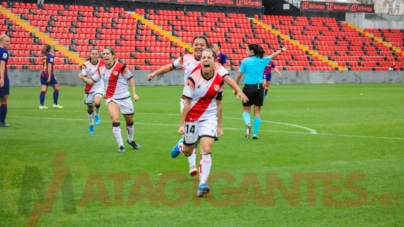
147 39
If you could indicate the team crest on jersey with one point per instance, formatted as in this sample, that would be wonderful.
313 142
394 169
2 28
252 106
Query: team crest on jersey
116 73
5 55
217 87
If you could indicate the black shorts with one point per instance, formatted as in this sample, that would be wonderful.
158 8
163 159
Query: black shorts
255 94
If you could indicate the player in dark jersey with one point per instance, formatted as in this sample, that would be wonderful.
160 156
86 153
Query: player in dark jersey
221 58
268 76
48 78
4 82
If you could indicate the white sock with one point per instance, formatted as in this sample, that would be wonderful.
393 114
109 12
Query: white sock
130 132
204 168
90 118
192 157
117 133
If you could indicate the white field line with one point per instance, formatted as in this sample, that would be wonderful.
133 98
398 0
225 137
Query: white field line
236 129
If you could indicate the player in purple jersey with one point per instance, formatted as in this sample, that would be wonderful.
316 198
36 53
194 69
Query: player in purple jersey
4 82
221 58
48 78
268 76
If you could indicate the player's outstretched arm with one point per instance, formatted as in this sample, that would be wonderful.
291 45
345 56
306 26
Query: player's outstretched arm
164 69
235 87
276 70
86 80
273 56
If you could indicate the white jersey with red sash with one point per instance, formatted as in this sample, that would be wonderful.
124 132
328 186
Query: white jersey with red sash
88 70
115 80
189 63
203 93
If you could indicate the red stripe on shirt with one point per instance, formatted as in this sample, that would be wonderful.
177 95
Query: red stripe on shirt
113 80
200 107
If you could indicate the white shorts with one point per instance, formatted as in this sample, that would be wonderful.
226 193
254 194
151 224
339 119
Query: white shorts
125 105
193 131
89 98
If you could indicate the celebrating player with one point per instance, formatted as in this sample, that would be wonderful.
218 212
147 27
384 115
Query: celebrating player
116 77
253 69
48 78
268 76
93 93
201 117
190 63
4 81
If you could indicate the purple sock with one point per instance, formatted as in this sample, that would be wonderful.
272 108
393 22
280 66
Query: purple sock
3 112
55 96
42 98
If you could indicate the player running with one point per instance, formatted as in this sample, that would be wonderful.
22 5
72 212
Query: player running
190 63
116 77
201 117
93 93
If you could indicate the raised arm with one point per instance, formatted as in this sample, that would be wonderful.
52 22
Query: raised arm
88 80
273 55
164 69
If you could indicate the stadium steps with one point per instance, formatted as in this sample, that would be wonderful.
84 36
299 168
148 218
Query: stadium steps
297 44
377 39
41 35
162 32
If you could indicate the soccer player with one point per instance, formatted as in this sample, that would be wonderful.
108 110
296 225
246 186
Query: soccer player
253 69
190 63
93 93
201 117
4 81
221 58
268 76
116 77
48 78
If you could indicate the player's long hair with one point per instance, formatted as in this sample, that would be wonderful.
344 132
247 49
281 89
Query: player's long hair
89 57
201 37
111 50
46 49
218 45
257 49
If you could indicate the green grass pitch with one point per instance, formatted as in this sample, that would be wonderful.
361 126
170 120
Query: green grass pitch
328 155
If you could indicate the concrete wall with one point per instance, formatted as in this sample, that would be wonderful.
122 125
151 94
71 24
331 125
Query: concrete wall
69 78
358 19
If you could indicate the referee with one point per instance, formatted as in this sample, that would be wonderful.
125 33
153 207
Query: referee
252 68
